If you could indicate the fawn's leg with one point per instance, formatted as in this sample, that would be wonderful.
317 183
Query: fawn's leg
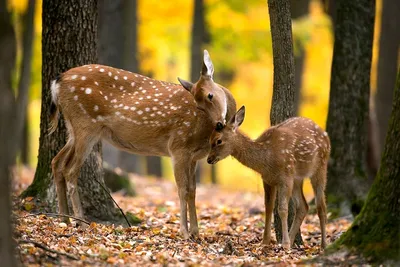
301 207
318 182
57 165
269 202
182 176
283 207
193 228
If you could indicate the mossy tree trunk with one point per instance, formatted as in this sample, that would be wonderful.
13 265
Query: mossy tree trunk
376 230
69 40
389 42
283 97
347 122
7 134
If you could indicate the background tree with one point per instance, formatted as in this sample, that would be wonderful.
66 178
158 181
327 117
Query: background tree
387 64
7 133
118 48
348 104
69 40
284 82
376 232
298 10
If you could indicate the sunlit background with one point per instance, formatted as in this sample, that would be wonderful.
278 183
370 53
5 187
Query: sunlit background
241 50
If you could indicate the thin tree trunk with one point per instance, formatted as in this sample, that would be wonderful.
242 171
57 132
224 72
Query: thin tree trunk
387 64
118 48
25 147
376 232
69 40
7 134
284 82
298 9
348 105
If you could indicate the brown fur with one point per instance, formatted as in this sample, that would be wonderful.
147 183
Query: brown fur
163 120
284 155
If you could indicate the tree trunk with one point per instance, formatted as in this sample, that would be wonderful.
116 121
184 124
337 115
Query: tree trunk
376 232
154 167
118 48
284 82
347 122
387 64
7 121
69 40
298 9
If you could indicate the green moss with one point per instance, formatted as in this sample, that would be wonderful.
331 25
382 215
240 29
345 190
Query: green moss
37 189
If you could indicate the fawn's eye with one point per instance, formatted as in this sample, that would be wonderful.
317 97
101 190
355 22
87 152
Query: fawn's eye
219 141
210 96
219 126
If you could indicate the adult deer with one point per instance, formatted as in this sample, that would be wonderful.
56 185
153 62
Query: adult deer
284 155
139 115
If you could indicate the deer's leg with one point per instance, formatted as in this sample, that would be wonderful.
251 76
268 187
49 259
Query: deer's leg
81 150
269 202
57 165
283 207
194 229
182 172
301 208
318 182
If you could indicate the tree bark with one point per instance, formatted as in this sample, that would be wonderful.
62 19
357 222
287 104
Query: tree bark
7 134
69 40
298 9
376 232
348 105
387 64
284 82
118 48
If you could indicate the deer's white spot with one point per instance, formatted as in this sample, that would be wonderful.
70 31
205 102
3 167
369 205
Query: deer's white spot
100 118
125 78
105 97
137 102
154 108
114 101
96 83
282 139
94 120
152 114
133 108
139 112
148 97
155 100
88 91
132 84
161 103
187 123
115 106
147 109
194 113
140 98
109 73
72 89
83 78
117 113
121 88
126 107
159 112
325 134
116 77
180 132
101 70
75 97
121 105
73 77
143 91
96 108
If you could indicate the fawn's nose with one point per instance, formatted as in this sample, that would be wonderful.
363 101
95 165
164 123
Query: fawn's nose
209 160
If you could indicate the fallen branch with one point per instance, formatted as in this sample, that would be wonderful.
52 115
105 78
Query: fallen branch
57 215
46 248
122 212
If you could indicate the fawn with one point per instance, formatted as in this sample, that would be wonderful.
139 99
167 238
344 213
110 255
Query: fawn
139 115
284 155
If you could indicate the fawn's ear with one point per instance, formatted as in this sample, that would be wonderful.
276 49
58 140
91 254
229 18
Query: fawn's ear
187 85
208 67
238 118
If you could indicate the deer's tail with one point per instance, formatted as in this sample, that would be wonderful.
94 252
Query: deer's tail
54 110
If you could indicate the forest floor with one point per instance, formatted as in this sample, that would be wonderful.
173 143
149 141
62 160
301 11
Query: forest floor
231 226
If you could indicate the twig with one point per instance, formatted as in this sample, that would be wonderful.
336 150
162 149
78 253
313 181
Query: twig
57 215
108 193
46 248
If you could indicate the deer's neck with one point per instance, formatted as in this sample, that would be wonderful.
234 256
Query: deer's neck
249 152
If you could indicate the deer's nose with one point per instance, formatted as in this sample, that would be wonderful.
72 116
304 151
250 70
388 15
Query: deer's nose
219 126
209 160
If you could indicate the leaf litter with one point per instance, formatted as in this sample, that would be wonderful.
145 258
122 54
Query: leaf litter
231 226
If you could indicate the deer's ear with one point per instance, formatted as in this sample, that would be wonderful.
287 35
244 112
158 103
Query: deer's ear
187 85
238 118
208 67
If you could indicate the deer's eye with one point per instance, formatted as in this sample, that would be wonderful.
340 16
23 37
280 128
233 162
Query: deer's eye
219 126
219 141
210 96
